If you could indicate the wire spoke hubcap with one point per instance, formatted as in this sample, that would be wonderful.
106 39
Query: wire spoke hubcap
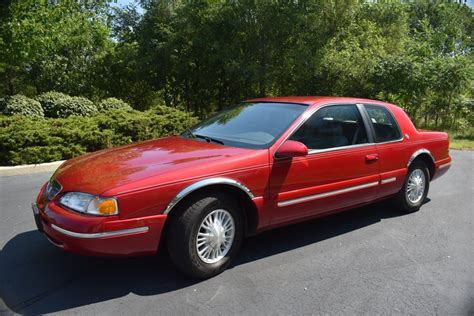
215 236
415 186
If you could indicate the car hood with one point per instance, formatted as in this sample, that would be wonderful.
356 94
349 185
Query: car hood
105 170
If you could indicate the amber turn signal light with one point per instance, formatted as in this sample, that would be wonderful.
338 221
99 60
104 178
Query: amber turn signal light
107 207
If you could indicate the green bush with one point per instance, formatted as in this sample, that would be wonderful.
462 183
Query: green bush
25 140
78 106
57 104
113 103
49 101
21 105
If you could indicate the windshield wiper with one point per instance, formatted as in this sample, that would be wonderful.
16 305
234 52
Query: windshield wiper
209 139
190 133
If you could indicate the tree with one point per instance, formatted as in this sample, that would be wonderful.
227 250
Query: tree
51 46
203 55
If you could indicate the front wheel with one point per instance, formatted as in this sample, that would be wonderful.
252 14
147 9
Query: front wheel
415 189
206 234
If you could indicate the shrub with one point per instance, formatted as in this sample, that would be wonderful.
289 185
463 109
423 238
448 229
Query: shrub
57 104
25 140
49 101
21 105
113 103
171 119
79 106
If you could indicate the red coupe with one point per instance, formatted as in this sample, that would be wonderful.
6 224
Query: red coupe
261 164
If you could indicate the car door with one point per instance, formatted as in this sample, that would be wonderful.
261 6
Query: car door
340 170
391 146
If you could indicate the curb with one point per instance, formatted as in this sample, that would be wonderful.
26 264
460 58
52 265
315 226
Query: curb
4 310
27 169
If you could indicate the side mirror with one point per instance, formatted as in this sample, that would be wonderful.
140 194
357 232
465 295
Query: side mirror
290 149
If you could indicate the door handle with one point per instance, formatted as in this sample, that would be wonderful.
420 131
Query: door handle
372 157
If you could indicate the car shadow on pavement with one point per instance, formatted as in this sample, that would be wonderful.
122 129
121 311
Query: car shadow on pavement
37 278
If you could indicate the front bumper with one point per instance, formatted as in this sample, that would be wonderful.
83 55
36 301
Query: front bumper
98 236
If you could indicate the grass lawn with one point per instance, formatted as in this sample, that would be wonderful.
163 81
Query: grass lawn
461 143
462 140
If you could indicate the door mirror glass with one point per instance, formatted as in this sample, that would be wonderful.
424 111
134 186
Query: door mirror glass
291 148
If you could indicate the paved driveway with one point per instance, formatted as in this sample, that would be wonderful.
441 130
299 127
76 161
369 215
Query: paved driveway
366 261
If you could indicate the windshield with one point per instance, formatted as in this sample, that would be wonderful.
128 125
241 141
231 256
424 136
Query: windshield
248 125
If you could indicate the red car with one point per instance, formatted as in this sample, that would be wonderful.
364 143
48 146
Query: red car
261 164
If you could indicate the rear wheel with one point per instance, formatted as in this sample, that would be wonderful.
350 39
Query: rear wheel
206 234
415 189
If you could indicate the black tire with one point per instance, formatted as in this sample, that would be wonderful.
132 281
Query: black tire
402 201
184 226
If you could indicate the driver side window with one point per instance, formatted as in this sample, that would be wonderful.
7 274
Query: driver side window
332 126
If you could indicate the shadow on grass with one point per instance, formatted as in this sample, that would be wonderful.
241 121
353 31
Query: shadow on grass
32 269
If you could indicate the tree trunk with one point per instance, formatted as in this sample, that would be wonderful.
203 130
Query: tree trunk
166 96
448 108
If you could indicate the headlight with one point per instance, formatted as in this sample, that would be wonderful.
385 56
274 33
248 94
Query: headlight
89 204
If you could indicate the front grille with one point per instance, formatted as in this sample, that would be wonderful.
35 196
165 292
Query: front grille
53 188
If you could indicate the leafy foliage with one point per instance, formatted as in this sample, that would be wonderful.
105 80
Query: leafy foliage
206 54
19 104
25 140
49 102
79 106
113 103
201 56
51 45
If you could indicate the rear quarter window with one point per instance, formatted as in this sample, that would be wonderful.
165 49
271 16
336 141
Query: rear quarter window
385 127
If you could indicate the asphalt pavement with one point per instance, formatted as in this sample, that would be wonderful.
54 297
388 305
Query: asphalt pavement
370 260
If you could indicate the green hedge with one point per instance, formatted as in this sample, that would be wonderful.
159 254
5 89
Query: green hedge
26 140
20 105
49 101
113 103
57 104
79 106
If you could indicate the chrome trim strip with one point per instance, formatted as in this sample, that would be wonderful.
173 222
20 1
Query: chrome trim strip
314 151
388 180
53 242
391 141
419 152
204 183
327 194
444 165
102 234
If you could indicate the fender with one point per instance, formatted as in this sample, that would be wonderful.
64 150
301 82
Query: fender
417 153
204 183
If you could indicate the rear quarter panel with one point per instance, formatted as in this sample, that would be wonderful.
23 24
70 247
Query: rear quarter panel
437 143
395 156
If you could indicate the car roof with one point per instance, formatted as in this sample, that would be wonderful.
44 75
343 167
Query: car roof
316 100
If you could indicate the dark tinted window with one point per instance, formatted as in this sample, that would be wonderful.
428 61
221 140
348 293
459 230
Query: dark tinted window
249 125
385 127
332 126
